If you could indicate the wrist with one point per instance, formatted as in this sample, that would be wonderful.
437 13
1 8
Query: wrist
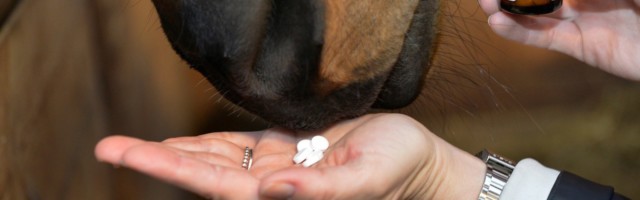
464 178
452 174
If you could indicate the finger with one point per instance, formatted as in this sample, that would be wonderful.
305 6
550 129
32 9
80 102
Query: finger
211 158
241 139
293 183
110 149
212 181
489 6
325 183
273 152
360 178
275 140
267 164
212 146
541 32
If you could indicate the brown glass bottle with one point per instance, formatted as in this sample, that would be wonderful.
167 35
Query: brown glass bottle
530 7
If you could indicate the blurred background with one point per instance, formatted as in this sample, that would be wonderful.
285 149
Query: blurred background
75 71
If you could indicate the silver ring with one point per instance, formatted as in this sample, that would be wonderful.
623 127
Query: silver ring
247 161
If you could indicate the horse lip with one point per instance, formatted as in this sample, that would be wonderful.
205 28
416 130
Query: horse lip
404 82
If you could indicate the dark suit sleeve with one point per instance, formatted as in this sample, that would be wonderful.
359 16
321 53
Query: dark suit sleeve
569 186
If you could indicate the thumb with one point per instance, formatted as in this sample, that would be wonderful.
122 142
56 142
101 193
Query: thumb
340 182
525 29
544 32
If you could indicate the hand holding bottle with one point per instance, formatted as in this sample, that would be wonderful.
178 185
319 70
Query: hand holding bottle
602 33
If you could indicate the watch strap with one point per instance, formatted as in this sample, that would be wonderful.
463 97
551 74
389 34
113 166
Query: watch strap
499 170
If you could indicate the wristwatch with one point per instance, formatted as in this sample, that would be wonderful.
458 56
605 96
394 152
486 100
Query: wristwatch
498 171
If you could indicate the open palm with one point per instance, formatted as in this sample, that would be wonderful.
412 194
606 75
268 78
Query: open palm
602 33
375 156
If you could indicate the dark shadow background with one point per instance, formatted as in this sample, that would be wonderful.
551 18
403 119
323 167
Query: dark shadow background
75 71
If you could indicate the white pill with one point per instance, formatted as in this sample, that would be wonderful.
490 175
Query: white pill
302 155
319 143
313 158
304 144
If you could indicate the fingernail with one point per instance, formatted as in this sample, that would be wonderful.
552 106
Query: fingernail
279 191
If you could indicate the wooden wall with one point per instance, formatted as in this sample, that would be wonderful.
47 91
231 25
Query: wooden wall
73 72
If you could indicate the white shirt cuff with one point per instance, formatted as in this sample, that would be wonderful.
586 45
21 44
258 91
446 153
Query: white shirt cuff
530 180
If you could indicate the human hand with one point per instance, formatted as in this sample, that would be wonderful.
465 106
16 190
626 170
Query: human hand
602 33
371 157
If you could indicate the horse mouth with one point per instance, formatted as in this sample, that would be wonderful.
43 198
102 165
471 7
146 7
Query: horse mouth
298 64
